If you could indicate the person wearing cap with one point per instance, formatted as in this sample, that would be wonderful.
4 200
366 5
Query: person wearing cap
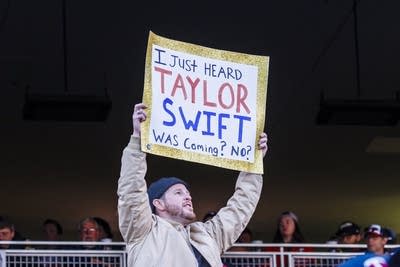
375 254
376 239
348 233
159 224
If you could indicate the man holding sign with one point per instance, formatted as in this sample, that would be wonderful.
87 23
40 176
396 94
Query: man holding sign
159 225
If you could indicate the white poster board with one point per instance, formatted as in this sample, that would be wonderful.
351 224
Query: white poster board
204 105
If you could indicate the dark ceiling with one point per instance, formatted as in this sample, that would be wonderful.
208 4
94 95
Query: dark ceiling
69 170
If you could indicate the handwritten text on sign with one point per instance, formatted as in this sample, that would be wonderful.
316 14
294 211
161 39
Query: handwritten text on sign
203 105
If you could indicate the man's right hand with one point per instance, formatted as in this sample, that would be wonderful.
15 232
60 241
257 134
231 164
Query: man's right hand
139 115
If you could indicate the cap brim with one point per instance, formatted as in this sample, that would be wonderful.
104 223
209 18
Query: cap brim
374 235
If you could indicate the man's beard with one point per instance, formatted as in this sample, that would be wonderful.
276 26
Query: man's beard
178 212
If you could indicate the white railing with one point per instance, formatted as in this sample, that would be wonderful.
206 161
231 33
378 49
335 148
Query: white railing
292 255
63 254
74 254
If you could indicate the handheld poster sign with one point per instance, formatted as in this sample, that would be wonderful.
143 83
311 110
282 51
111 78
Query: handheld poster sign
204 105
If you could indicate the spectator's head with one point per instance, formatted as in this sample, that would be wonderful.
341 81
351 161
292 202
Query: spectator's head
52 230
170 198
375 239
7 233
288 229
246 236
348 233
89 230
104 229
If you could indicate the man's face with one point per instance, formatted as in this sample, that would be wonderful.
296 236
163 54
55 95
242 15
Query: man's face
89 232
178 204
376 243
6 234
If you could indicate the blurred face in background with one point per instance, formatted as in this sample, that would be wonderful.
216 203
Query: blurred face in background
51 232
245 238
376 243
287 226
351 239
89 232
6 234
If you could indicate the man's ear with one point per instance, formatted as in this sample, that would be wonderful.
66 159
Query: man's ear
159 204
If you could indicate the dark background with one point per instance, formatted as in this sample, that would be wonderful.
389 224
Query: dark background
69 170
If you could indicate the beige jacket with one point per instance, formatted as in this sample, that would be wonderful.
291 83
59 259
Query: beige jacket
154 241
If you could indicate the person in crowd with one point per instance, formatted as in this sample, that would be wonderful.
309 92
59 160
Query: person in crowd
348 233
287 232
375 255
52 231
160 227
245 237
104 230
376 239
288 229
106 234
8 233
89 232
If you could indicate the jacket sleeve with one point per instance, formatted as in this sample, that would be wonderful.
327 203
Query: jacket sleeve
227 225
135 216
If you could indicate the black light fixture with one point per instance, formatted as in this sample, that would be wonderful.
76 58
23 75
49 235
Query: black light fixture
367 112
66 106
358 111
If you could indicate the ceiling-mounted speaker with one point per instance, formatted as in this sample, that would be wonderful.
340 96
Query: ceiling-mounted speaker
66 107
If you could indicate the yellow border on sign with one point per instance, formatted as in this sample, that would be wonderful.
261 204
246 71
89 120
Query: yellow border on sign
261 62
